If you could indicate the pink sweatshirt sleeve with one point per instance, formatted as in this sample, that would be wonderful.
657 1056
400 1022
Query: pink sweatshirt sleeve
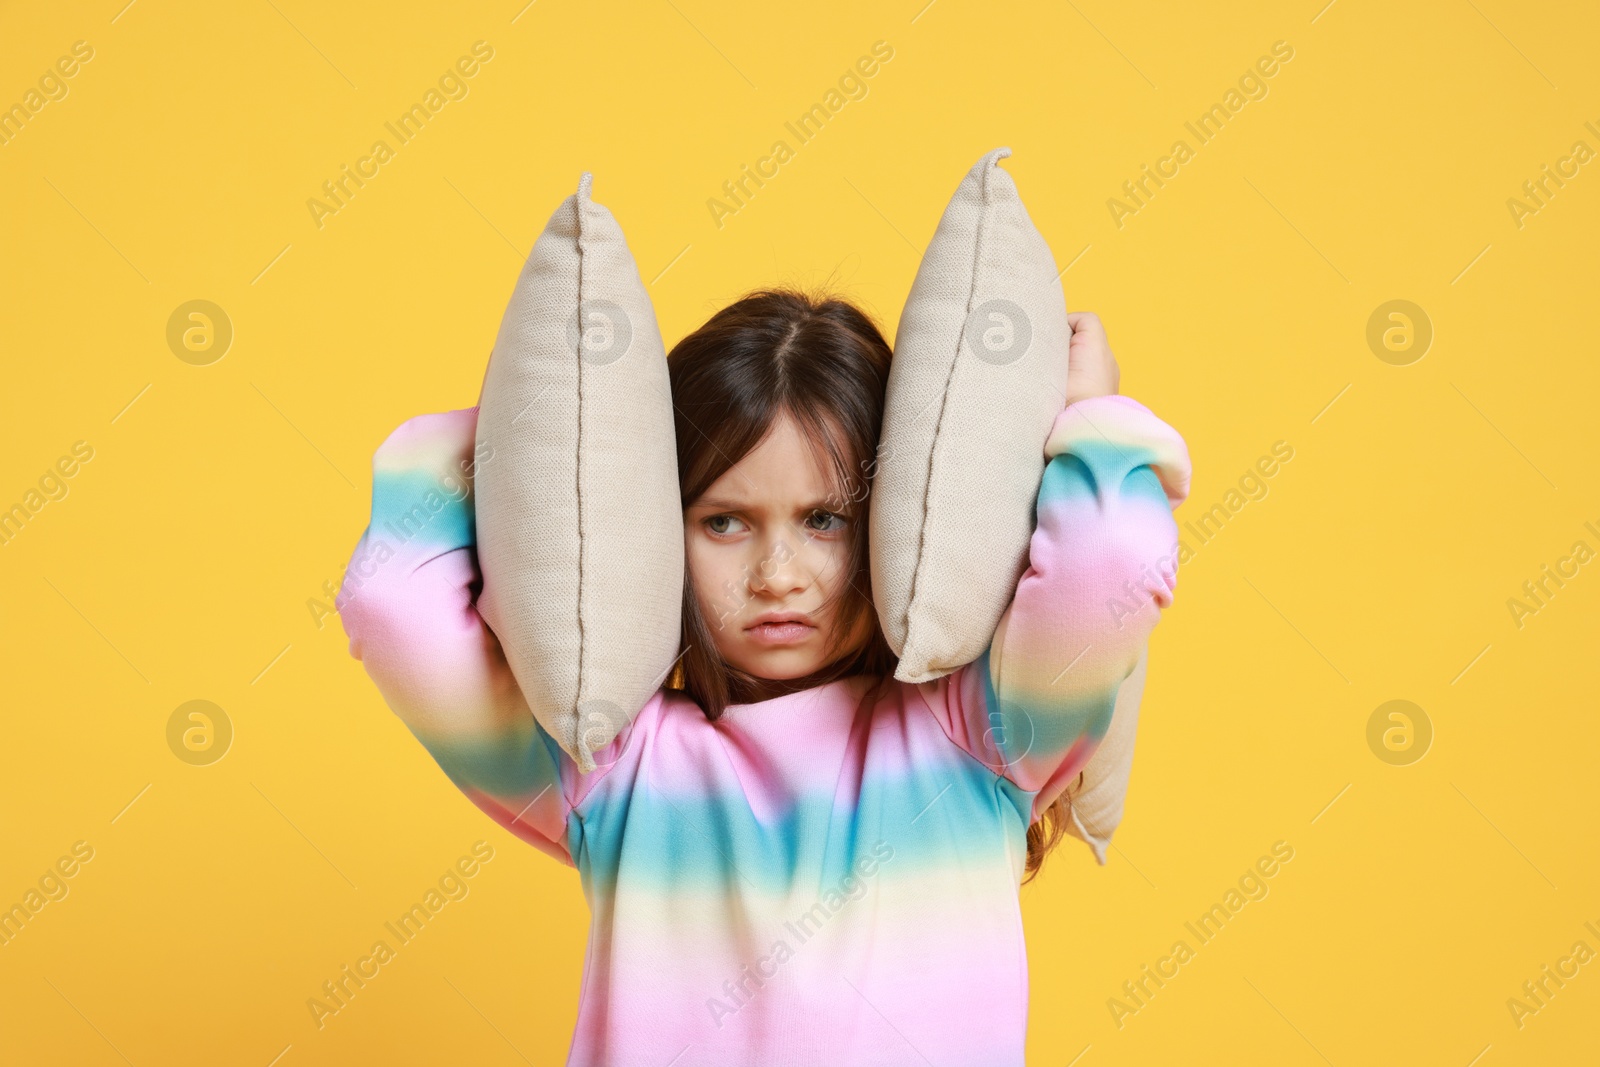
408 604
1102 564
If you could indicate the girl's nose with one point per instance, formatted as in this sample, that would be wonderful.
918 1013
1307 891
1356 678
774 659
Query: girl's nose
777 571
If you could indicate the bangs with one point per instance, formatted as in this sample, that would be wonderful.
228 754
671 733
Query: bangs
736 434
835 454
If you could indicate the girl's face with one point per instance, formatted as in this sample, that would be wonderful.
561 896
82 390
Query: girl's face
765 539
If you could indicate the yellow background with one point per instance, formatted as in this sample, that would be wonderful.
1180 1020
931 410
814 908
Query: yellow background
180 564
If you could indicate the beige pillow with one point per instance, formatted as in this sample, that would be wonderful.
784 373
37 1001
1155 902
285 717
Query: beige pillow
978 377
579 523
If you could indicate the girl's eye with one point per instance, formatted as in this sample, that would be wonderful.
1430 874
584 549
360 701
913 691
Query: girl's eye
837 522
711 523
819 521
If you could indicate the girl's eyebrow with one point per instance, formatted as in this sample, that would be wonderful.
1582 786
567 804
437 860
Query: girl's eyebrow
734 505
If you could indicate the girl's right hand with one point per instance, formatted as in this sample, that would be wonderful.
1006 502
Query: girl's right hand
1091 368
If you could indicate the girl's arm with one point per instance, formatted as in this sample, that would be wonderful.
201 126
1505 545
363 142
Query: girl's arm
408 605
1095 796
1102 564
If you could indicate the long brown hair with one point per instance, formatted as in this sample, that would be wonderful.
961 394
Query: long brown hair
825 363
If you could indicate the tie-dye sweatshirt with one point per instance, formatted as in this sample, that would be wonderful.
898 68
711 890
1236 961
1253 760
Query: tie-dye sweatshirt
819 878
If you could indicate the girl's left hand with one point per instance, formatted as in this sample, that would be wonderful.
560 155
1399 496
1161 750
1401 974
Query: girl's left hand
1091 368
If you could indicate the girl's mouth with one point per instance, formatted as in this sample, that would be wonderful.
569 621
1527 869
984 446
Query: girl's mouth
779 633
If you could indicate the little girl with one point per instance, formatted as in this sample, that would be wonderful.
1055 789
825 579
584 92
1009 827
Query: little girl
790 857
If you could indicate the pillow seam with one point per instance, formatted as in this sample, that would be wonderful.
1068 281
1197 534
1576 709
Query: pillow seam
577 734
984 212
